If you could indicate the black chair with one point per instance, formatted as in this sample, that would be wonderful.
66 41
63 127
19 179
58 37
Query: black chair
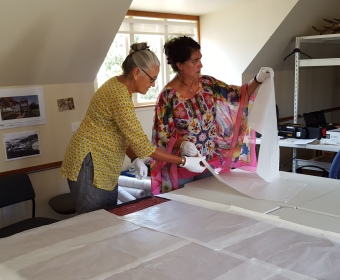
334 171
14 189
312 170
63 204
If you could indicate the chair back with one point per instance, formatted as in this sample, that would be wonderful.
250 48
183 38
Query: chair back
334 171
312 170
16 188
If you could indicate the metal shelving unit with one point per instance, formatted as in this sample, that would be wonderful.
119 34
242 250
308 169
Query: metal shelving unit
316 39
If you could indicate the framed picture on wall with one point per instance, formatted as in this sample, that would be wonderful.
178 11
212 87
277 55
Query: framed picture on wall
65 104
20 145
22 107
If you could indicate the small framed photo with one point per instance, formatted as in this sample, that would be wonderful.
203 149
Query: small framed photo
65 104
22 107
21 145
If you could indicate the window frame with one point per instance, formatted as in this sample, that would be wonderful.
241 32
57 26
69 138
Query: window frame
166 75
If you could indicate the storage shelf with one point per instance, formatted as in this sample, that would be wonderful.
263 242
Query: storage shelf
319 62
299 63
328 38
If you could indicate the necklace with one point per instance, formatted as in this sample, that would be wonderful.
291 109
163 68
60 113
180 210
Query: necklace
190 86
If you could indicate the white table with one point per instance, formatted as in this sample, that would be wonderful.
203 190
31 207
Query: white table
316 187
323 147
328 204
172 241
293 143
202 239
210 189
308 218
317 205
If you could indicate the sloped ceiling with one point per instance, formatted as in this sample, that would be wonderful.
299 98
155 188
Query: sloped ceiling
66 41
299 22
56 42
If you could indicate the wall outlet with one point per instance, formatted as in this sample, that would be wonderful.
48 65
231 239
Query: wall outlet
75 126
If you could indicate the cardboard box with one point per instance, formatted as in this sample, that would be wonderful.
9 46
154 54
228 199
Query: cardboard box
332 136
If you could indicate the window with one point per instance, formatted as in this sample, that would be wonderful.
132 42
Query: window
155 29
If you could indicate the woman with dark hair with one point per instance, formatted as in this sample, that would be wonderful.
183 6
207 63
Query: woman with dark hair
110 129
198 115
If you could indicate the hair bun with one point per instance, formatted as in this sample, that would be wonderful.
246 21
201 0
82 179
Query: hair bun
138 47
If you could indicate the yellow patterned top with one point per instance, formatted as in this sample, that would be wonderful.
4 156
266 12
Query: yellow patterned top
109 126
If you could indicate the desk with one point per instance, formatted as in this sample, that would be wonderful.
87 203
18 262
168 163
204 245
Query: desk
291 143
323 147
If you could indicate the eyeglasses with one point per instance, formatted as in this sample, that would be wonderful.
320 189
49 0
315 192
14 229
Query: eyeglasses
152 80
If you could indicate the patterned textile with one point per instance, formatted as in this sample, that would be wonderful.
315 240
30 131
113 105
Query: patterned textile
215 120
109 126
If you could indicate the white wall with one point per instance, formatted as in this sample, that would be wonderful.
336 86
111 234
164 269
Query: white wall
231 38
54 137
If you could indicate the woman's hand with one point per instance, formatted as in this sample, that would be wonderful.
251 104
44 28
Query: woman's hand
193 164
141 168
264 73
189 149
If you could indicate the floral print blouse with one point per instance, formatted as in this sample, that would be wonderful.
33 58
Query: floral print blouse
208 120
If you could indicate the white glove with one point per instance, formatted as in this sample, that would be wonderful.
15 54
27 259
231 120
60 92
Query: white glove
264 73
193 164
141 169
188 149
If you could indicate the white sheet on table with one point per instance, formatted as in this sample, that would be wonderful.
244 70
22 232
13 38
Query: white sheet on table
171 240
299 252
